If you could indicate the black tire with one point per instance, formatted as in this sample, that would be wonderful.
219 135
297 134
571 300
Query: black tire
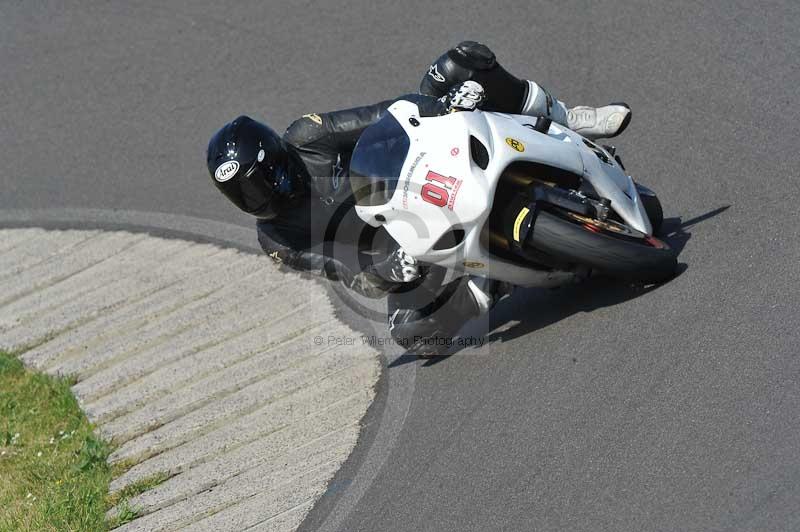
614 255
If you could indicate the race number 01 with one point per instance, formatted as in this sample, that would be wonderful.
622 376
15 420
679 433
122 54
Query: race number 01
435 194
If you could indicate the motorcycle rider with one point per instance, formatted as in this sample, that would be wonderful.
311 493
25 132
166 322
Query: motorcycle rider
507 94
297 187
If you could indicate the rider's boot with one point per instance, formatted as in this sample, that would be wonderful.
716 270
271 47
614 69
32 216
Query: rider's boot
488 292
427 333
591 122
599 122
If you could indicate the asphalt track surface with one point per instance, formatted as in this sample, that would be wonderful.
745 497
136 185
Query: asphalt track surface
599 407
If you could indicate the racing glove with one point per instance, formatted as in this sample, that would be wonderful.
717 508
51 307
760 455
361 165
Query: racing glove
399 267
466 96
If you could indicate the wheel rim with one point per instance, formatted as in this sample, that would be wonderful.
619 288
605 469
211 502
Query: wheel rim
616 228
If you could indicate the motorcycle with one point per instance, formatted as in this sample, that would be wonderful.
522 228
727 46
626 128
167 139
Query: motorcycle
507 197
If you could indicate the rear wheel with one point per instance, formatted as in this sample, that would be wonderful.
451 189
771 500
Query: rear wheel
607 246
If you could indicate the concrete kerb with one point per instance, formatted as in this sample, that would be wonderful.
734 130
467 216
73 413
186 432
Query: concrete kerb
103 301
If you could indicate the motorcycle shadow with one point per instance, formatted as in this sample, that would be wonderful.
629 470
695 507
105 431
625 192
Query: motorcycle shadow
531 309
674 230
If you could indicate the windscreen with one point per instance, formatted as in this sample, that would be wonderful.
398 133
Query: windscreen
377 161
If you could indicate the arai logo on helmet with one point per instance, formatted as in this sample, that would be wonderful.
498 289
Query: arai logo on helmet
226 171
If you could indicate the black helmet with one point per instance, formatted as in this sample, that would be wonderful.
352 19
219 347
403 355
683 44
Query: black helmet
249 164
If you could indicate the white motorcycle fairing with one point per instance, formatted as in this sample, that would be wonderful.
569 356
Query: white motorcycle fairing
440 188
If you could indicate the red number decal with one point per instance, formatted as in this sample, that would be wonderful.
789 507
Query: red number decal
435 194
446 181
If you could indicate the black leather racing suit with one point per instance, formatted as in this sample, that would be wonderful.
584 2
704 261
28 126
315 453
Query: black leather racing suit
321 233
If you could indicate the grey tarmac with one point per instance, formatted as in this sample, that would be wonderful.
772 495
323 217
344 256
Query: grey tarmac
593 408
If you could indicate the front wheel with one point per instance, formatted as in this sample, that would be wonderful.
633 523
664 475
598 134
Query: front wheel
608 247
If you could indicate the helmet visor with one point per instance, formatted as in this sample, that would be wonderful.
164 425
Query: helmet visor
254 191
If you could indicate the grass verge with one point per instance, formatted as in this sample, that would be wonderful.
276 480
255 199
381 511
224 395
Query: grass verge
54 473
53 468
